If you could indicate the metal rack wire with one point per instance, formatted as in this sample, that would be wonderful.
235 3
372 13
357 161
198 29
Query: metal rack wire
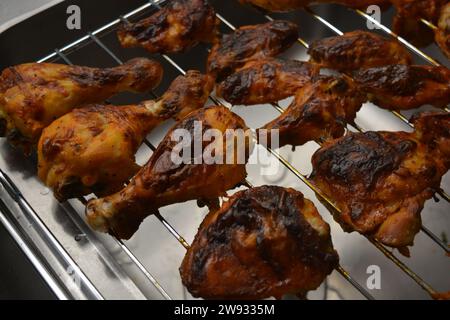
94 37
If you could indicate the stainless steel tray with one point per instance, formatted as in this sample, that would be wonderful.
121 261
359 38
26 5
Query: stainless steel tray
79 263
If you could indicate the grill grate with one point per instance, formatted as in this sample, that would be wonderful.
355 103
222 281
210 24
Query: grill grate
94 37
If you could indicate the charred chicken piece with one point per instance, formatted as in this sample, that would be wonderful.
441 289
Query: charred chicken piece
417 9
165 179
250 43
443 31
289 5
179 26
357 49
264 242
413 30
92 149
33 95
380 180
397 87
320 111
266 80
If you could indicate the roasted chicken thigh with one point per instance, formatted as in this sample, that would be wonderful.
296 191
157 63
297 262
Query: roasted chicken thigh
264 242
381 180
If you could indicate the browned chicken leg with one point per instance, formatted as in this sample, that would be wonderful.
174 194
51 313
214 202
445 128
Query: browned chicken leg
33 95
266 80
163 181
398 87
320 111
443 30
92 149
381 180
289 5
250 43
357 49
178 26
264 242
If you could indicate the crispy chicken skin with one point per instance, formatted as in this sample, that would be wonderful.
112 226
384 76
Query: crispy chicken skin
266 80
320 111
380 180
250 43
398 87
92 149
178 26
289 5
264 242
163 181
443 30
357 49
33 95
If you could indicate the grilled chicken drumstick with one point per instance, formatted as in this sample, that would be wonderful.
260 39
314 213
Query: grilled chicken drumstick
266 80
33 95
289 5
398 87
264 242
250 43
320 111
381 180
163 181
357 49
92 149
178 26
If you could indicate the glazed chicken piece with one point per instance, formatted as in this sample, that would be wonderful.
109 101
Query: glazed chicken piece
92 149
33 95
443 30
289 5
407 22
401 87
412 29
320 111
266 80
178 26
357 49
264 242
416 9
380 180
166 179
250 43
